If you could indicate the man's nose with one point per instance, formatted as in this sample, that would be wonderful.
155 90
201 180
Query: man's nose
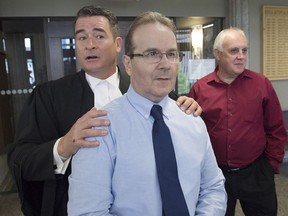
241 54
91 43
164 56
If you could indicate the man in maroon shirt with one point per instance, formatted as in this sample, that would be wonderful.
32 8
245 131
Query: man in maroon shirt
245 123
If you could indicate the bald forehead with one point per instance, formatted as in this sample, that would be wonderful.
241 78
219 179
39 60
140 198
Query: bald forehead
234 37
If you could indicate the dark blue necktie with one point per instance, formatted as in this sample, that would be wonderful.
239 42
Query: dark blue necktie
173 200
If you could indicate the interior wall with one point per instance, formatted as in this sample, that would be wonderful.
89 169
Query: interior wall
179 8
255 45
10 8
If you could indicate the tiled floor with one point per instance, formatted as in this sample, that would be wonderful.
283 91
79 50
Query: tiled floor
9 205
9 202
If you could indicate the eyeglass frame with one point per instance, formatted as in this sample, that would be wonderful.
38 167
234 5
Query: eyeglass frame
180 55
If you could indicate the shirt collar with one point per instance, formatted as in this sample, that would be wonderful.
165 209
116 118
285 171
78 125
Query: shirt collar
113 80
143 105
214 78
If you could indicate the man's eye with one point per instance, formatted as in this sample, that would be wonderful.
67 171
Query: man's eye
234 51
99 37
152 53
81 38
172 54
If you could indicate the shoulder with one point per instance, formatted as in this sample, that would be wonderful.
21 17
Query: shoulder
253 74
183 123
204 81
117 108
174 111
257 78
73 79
68 83
202 84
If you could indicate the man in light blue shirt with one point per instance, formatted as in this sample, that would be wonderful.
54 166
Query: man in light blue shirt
119 177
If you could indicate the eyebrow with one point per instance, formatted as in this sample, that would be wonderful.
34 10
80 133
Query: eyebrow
156 49
94 30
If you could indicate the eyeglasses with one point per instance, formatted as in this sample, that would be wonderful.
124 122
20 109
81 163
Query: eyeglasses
155 56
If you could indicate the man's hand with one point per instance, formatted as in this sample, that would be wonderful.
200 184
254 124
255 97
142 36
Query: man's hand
82 129
189 105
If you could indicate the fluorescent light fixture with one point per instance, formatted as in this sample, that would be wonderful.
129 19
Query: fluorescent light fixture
208 26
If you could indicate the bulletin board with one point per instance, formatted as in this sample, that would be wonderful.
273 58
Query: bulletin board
275 42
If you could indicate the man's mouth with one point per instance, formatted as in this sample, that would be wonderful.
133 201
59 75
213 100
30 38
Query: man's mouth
239 63
91 57
162 78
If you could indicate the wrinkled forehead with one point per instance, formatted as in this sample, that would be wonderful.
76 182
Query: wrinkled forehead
92 22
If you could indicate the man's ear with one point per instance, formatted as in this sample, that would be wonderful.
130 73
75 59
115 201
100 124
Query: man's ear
118 41
217 54
127 63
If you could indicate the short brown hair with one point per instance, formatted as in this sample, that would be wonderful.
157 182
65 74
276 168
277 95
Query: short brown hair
146 18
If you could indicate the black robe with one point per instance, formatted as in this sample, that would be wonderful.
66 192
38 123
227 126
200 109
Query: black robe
48 114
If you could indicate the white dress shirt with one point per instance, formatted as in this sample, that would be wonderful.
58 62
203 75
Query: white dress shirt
104 90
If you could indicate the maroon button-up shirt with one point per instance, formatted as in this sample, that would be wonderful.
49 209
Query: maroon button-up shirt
244 118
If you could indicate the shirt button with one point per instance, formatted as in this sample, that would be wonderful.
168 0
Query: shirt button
230 130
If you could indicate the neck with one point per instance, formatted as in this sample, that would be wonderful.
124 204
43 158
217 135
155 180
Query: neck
104 74
226 78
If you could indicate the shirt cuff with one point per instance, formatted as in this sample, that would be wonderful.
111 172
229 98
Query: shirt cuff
61 163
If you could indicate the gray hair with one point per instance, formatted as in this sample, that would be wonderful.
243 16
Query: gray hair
218 43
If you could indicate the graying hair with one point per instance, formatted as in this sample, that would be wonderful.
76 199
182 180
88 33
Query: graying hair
218 43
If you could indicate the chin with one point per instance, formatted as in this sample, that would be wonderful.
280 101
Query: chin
162 93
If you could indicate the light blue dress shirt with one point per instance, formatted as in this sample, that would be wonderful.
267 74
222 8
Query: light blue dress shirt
119 177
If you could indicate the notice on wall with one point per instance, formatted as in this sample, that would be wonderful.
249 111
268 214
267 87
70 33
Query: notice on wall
275 42
200 67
